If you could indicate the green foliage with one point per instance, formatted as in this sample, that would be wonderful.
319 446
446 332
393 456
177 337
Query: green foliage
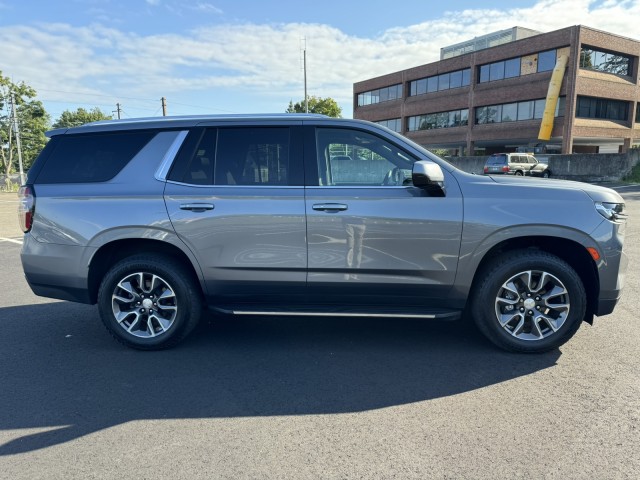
325 106
81 116
33 121
634 175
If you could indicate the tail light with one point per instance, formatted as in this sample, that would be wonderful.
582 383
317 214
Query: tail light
27 207
486 169
505 168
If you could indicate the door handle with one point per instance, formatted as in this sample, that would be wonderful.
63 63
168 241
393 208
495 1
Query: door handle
196 207
330 207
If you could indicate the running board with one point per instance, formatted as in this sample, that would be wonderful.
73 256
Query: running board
353 313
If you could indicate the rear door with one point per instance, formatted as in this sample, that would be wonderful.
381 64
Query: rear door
235 196
373 236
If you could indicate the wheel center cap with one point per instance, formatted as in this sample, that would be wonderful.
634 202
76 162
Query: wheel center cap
147 303
528 303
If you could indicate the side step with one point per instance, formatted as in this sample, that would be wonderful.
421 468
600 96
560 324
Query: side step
325 311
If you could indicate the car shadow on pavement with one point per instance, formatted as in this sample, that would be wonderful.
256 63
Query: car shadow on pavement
63 373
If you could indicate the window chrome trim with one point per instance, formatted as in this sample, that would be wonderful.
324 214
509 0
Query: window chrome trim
211 185
169 156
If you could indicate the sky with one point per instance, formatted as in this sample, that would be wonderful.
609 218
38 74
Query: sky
245 56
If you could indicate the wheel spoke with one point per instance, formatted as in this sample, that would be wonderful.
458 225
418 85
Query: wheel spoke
536 327
134 323
549 321
518 330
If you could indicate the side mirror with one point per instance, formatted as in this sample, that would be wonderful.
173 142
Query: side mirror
428 175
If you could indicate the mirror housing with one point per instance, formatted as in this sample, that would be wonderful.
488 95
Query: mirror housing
429 176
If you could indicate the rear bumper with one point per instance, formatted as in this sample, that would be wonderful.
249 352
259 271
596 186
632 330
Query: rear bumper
55 271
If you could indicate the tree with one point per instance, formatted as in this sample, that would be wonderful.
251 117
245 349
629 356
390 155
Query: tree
81 116
33 122
326 106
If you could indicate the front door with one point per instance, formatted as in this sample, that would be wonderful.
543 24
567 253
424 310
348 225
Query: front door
373 236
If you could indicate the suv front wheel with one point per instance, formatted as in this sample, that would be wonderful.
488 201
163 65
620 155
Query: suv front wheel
528 301
149 302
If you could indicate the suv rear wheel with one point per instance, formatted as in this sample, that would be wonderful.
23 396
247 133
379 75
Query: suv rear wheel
149 302
529 301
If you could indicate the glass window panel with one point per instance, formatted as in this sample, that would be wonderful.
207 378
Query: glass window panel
481 115
375 96
360 99
509 112
399 91
637 112
432 84
464 116
546 60
484 73
599 59
494 114
512 68
586 58
384 94
412 124
525 110
455 79
442 119
412 88
496 71
538 108
367 98
443 81
560 107
454 118
422 86
466 77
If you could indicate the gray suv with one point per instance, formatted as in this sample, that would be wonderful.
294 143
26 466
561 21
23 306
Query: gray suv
152 219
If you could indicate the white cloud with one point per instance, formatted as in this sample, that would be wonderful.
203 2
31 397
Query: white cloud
153 3
266 58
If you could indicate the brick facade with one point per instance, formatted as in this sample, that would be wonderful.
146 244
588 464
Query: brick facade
569 132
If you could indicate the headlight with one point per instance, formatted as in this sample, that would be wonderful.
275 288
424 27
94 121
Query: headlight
611 211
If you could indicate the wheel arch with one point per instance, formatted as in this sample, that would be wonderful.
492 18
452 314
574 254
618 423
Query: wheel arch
112 252
569 250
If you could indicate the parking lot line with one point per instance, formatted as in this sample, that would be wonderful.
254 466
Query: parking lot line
11 240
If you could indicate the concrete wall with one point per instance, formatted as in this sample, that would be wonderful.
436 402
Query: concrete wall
583 167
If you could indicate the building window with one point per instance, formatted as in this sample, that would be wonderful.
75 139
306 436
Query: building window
546 60
511 112
511 68
381 95
394 124
589 107
637 112
430 121
436 83
605 62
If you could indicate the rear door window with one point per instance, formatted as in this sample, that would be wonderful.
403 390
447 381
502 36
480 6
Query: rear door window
236 156
497 160
91 158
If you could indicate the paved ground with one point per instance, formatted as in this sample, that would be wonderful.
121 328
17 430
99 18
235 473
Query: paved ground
308 398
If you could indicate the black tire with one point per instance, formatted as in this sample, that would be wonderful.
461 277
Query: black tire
167 286
546 174
490 299
518 173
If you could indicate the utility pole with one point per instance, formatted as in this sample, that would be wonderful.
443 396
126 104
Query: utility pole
118 110
304 56
16 132
164 106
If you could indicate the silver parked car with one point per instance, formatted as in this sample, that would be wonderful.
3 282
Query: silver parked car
152 219
519 164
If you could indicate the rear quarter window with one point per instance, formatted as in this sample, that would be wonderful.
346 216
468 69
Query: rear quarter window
91 158
497 160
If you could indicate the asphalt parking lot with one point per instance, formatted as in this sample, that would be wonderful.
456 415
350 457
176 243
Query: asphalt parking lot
310 398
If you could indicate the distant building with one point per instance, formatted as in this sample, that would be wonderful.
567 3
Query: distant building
488 94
